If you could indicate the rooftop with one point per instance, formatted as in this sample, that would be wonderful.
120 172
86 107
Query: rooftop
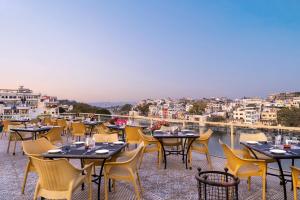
173 183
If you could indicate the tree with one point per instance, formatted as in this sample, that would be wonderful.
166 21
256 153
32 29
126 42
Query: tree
216 118
85 108
289 117
125 109
143 108
198 107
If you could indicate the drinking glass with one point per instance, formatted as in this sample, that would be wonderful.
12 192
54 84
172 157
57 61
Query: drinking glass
294 140
286 140
277 140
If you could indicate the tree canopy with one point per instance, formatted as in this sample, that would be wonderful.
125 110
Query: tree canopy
289 117
198 107
85 108
143 109
124 110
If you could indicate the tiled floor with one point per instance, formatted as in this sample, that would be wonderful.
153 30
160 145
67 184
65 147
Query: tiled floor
173 183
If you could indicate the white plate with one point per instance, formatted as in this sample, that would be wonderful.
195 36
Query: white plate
54 151
186 130
278 151
190 134
119 142
251 142
79 142
102 151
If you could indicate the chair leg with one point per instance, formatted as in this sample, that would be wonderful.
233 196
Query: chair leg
114 185
249 183
90 185
208 159
295 190
264 186
36 191
8 145
14 152
105 187
142 156
25 176
139 181
136 188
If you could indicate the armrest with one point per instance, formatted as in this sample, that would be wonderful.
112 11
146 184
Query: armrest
88 168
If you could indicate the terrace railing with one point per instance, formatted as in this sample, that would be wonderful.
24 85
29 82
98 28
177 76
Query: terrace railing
184 123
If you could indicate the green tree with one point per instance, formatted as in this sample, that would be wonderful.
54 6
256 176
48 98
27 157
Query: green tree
198 107
215 118
143 109
124 110
289 117
84 108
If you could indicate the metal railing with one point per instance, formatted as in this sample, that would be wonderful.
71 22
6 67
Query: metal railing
231 125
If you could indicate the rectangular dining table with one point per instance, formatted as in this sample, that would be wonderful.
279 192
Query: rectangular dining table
265 147
187 135
78 151
33 130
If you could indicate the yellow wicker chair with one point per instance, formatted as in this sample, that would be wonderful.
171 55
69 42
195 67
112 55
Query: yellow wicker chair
54 135
5 124
102 129
34 148
200 145
63 123
34 121
106 137
132 135
259 137
245 168
47 121
58 179
78 129
101 138
125 170
151 145
172 142
296 180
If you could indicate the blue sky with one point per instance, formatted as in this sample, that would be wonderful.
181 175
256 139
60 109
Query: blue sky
129 50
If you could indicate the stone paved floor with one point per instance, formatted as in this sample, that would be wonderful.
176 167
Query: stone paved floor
173 183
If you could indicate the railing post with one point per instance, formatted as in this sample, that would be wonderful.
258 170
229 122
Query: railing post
232 136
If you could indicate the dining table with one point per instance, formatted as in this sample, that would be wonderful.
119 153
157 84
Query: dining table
189 136
278 153
21 121
34 130
78 150
91 125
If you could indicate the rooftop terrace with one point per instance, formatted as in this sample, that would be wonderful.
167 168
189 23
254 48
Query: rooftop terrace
173 183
